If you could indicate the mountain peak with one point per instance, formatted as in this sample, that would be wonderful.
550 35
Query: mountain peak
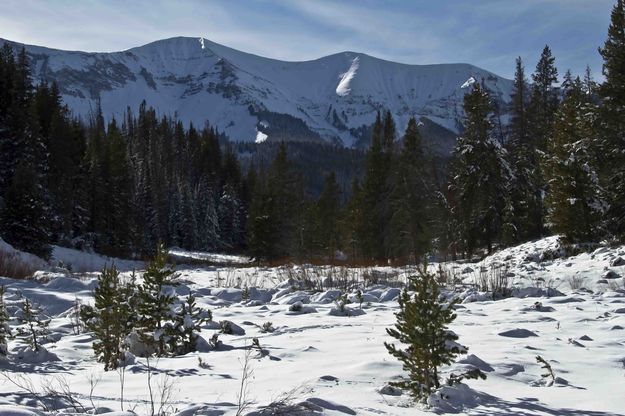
332 98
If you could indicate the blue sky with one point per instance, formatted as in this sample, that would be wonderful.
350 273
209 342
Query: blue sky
486 33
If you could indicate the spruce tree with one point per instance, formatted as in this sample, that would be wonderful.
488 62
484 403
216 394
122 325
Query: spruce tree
525 199
612 93
187 323
375 232
542 111
25 220
575 200
34 326
276 209
156 300
328 210
412 198
480 176
422 328
111 318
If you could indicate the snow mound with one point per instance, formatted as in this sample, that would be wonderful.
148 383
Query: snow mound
518 333
6 410
477 362
40 355
343 88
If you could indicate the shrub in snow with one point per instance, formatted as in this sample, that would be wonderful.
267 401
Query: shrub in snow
296 307
214 341
548 376
5 329
230 328
341 302
421 325
111 318
33 325
267 327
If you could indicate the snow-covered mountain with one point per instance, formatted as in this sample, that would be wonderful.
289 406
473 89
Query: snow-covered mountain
252 98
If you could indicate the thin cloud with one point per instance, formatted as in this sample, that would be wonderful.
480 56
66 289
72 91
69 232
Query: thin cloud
488 33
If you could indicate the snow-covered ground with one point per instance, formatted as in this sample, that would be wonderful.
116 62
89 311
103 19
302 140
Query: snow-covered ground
336 364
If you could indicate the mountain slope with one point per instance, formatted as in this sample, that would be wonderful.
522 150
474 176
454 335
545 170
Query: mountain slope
254 98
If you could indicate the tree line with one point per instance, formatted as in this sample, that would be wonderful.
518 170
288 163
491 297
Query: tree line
119 188
557 168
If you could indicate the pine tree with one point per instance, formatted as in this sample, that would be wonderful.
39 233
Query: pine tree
275 210
5 328
542 111
422 327
111 318
187 323
525 200
375 234
612 93
156 300
575 200
34 326
480 175
328 212
412 196
25 221
354 221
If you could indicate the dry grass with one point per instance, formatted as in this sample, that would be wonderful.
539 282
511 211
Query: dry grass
11 265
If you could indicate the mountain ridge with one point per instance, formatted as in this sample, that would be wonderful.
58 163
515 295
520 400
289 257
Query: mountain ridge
250 97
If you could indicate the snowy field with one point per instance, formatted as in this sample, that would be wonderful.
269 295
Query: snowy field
321 361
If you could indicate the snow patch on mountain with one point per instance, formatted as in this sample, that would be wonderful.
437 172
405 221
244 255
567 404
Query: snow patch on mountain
343 88
468 83
202 42
260 136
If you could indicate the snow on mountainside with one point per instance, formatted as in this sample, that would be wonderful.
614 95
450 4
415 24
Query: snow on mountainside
200 80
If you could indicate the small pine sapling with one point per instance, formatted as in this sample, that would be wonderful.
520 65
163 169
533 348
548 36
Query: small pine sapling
187 325
245 294
261 351
421 325
34 326
360 298
110 319
156 301
5 328
214 341
548 375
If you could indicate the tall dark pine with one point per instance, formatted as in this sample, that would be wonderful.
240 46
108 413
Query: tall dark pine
480 176
375 235
25 215
328 210
575 200
412 199
526 197
612 92
275 210
542 112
